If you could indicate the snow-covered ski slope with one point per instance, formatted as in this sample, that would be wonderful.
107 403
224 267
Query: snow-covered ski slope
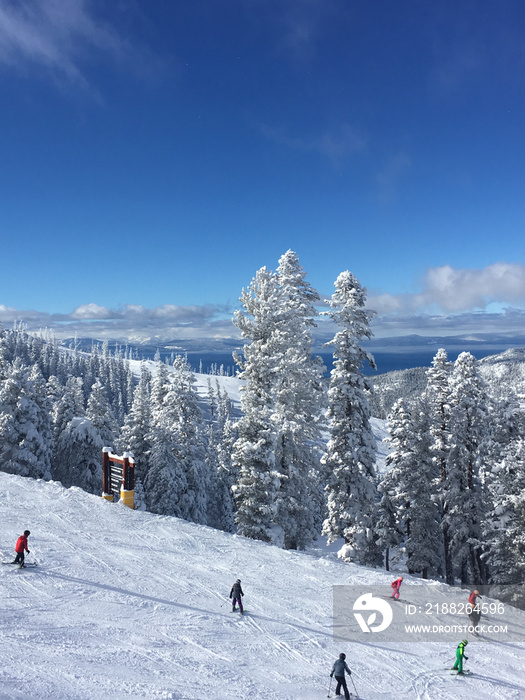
128 604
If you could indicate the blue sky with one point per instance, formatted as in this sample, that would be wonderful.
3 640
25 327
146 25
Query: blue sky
155 154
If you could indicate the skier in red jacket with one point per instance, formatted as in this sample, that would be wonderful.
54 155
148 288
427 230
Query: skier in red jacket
21 546
473 608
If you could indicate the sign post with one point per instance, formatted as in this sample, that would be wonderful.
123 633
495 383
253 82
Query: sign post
118 476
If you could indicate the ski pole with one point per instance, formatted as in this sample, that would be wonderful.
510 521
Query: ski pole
329 687
356 693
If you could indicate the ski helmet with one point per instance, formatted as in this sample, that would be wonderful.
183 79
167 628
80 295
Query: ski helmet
476 592
342 656
26 533
465 642
238 580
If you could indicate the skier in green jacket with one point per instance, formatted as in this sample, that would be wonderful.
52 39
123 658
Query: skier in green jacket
460 655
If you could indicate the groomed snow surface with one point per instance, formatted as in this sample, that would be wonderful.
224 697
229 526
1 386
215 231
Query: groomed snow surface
127 604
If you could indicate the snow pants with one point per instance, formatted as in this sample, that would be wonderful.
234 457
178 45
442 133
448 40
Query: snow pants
237 600
19 559
341 683
395 594
458 666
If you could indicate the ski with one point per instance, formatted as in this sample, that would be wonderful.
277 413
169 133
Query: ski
15 563
463 673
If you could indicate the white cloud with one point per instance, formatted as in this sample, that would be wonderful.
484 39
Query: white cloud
92 320
458 290
450 301
510 321
336 144
91 311
57 35
454 290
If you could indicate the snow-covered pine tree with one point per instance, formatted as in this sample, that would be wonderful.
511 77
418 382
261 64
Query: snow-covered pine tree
350 458
298 413
134 435
69 406
254 449
388 528
507 420
423 544
226 474
437 397
504 529
23 449
218 463
79 453
462 488
165 483
183 401
44 423
391 527
101 416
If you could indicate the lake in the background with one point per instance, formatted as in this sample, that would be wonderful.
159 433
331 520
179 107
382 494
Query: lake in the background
222 363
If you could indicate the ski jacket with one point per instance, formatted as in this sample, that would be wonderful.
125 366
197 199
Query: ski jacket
21 544
396 585
460 651
236 591
472 598
339 668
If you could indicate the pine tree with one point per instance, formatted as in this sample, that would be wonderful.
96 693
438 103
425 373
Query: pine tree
438 400
135 432
254 450
423 544
79 453
43 449
462 488
298 406
101 416
504 529
23 449
190 437
388 528
226 474
391 523
350 457
69 406
165 484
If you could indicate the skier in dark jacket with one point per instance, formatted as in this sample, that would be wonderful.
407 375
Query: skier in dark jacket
20 547
339 672
236 594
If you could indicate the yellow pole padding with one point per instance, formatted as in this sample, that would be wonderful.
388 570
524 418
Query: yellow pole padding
107 496
128 498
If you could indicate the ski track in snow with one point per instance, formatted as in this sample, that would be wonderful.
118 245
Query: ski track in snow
129 604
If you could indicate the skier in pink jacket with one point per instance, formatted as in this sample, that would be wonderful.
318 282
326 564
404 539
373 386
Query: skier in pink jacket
396 585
